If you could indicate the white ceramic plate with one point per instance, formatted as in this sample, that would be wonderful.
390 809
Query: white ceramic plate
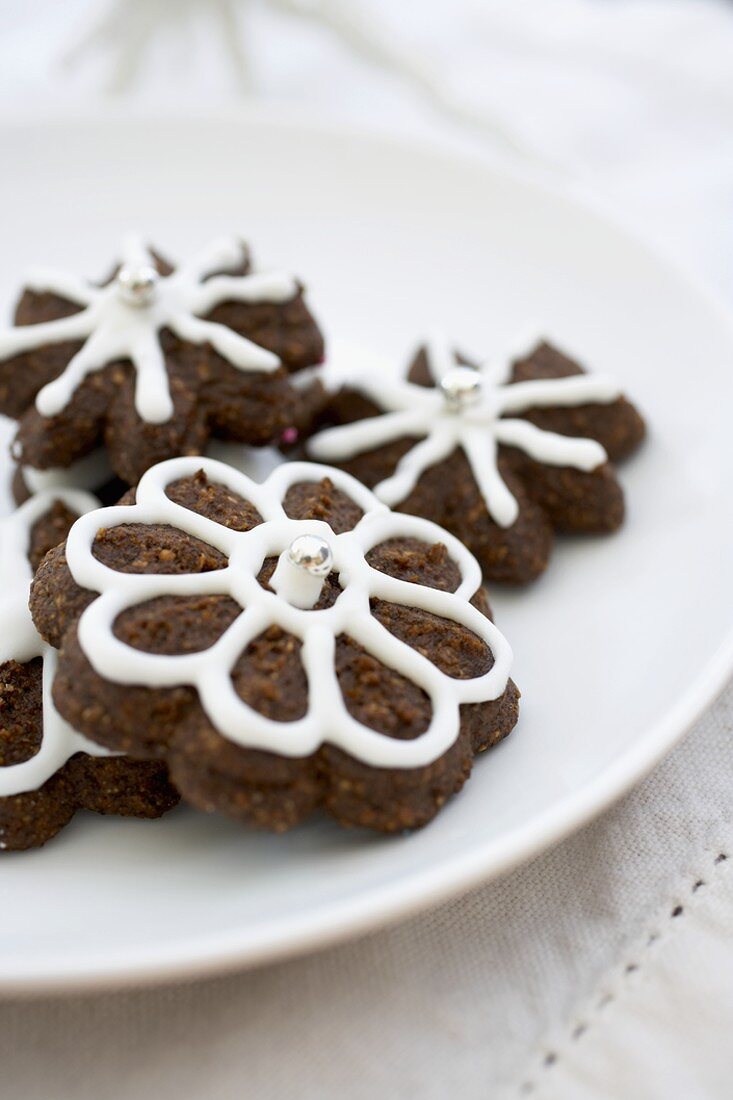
618 648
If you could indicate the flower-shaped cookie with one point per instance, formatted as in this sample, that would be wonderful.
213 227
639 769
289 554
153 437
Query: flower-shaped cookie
500 454
156 361
47 769
284 645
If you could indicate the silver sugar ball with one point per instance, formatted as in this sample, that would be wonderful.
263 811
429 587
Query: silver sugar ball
137 283
461 386
312 553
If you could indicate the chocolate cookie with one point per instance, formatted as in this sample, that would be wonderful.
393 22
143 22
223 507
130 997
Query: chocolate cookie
501 455
47 769
284 646
156 361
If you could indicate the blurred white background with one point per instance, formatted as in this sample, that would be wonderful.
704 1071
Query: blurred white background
634 98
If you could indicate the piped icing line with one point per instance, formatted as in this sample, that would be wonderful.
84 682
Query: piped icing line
21 642
326 719
123 320
468 409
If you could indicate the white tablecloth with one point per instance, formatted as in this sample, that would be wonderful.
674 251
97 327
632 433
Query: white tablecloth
604 969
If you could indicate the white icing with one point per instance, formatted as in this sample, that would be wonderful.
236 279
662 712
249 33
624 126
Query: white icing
327 718
115 325
477 424
20 641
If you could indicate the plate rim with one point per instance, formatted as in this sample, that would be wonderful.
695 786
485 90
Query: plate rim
199 956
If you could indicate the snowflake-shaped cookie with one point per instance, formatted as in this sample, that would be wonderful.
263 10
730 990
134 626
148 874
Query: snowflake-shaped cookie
184 336
469 408
39 793
304 579
452 416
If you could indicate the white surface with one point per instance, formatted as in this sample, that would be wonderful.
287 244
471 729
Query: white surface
671 993
446 1004
635 96
631 616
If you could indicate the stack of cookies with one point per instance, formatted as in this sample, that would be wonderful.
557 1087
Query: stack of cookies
320 641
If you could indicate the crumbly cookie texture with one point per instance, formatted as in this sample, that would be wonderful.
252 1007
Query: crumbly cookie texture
154 369
106 784
511 452
246 771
